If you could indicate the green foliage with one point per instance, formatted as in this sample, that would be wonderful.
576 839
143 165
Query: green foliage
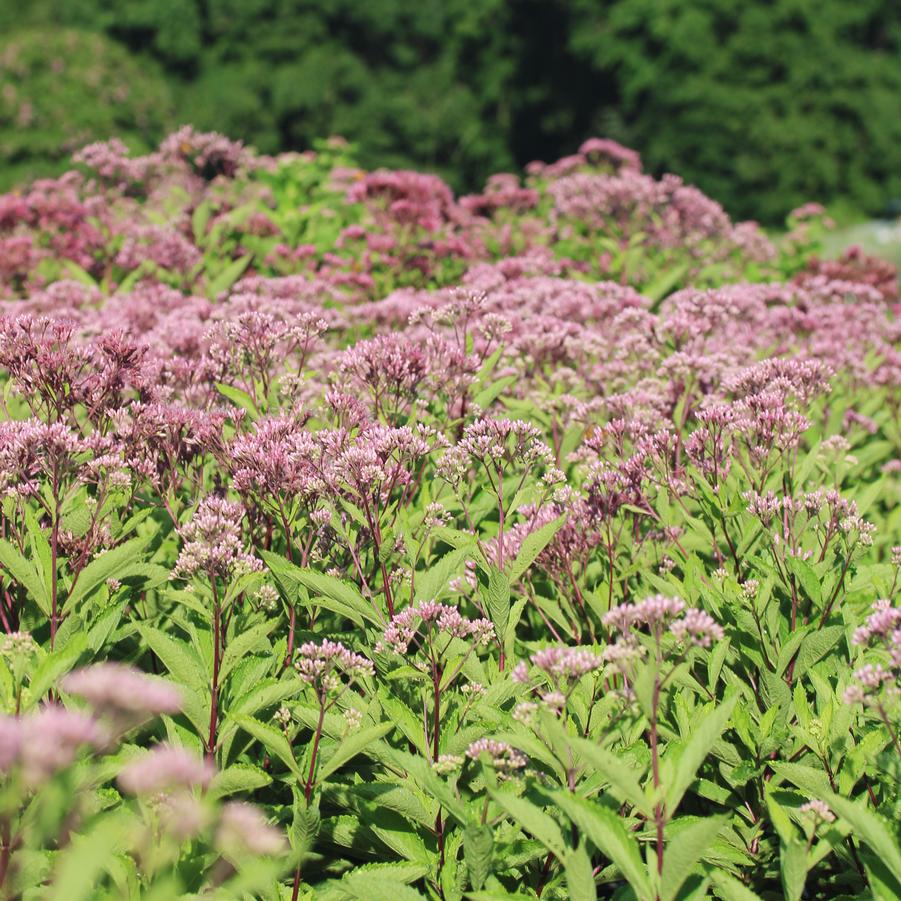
763 105
63 88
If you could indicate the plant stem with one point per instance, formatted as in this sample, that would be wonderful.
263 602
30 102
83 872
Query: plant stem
214 692
54 551
308 788
659 818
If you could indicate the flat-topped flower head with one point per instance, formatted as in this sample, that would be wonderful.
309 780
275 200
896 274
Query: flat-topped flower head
872 685
880 624
567 664
122 693
500 755
163 769
213 543
322 665
431 616
50 740
653 612
659 613
244 831
818 811
17 645
697 627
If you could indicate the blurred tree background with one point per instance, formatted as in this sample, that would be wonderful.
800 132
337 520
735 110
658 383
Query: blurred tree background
764 104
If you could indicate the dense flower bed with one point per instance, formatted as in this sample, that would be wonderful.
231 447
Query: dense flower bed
361 541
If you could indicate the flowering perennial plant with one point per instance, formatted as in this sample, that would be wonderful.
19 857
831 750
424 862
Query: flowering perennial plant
358 540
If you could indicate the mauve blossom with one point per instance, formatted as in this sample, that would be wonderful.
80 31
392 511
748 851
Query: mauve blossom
122 692
430 615
213 544
244 830
323 664
164 768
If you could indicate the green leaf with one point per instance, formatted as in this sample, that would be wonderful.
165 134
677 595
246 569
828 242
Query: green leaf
199 220
179 658
816 646
117 563
605 830
580 885
271 738
41 555
239 398
420 772
354 744
79 869
55 665
883 884
478 847
366 887
22 571
492 391
533 544
793 868
227 276
684 852
807 578
240 777
703 737
871 828
810 780
729 888
498 601
432 583
345 598
79 274
242 644
620 775
305 824
532 819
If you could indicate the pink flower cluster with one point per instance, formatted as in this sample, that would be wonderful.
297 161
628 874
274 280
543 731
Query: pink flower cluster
658 612
428 616
323 664
213 543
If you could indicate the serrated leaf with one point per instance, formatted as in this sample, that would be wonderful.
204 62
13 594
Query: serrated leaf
249 640
498 601
239 398
815 647
55 665
478 847
684 852
533 544
432 583
353 744
580 885
870 828
305 824
350 602
227 276
23 572
240 777
271 738
532 819
703 737
793 869
729 888
179 658
807 579
605 830
620 775
117 563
